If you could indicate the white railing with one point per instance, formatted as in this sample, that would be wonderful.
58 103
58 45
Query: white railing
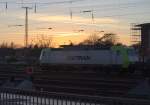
21 97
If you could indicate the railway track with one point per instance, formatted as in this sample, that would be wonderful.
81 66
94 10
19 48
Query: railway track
72 81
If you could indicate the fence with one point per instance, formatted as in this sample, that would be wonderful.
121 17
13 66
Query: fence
20 97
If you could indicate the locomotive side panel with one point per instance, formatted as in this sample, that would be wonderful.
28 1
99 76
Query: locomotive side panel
104 57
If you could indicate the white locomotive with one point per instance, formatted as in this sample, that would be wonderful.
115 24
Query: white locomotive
87 56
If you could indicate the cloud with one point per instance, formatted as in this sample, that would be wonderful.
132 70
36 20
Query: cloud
66 34
108 24
75 20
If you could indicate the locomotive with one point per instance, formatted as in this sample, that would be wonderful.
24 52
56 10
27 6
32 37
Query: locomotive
85 55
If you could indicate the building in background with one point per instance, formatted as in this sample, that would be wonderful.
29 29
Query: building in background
145 41
135 33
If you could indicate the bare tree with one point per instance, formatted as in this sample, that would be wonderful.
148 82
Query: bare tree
11 45
42 42
91 40
4 45
108 39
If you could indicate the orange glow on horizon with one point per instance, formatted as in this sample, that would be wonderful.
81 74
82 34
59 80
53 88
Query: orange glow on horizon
60 38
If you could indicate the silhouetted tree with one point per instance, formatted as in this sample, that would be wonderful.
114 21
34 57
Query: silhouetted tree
91 40
41 42
11 45
108 39
4 45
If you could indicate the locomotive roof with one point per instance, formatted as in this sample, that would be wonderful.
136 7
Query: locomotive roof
81 47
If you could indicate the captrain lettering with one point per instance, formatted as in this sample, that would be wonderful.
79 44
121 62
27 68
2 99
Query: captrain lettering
79 58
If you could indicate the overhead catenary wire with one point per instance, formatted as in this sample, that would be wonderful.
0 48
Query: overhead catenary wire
104 9
47 3
114 5
72 1
22 3
5 5
122 5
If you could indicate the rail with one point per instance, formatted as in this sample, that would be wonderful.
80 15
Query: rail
20 97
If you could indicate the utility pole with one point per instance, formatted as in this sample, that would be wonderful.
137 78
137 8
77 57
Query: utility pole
26 25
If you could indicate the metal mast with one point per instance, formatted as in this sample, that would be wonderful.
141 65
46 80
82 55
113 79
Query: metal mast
26 25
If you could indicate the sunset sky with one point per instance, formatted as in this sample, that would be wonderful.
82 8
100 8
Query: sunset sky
113 16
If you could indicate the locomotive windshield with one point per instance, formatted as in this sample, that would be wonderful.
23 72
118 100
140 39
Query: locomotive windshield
132 52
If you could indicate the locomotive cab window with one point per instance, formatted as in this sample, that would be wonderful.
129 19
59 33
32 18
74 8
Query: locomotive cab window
44 53
131 52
